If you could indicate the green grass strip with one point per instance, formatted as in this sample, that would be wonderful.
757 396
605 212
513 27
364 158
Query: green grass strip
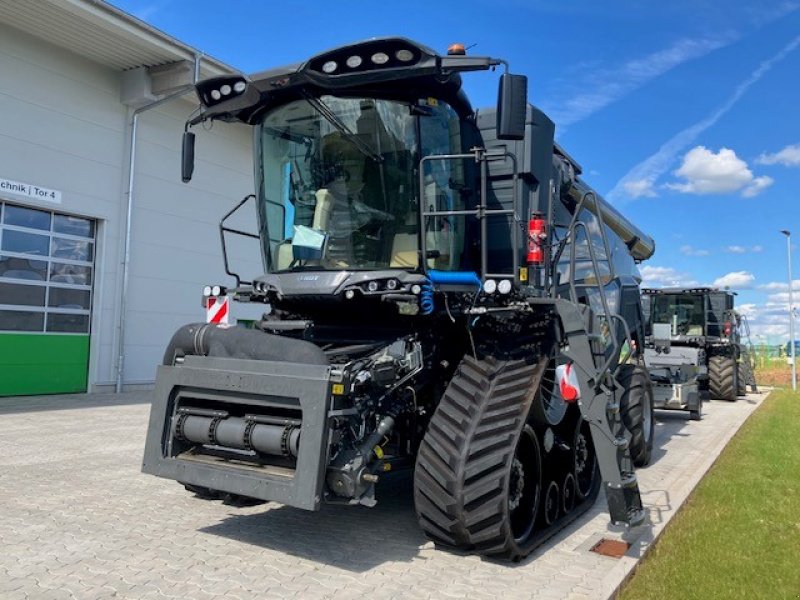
738 535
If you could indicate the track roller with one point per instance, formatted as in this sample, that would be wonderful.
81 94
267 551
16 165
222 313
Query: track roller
568 493
552 504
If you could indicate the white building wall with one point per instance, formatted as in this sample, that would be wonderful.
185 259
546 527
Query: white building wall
62 126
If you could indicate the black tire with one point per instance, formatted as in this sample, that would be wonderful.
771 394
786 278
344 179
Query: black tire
636 409
696 415
722 378
548 407
741 385
478 476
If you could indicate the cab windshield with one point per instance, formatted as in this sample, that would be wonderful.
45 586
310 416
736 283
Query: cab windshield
684 313
340 184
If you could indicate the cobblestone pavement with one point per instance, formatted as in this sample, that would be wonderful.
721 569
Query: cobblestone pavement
78 520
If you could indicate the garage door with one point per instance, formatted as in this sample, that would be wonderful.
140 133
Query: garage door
46 276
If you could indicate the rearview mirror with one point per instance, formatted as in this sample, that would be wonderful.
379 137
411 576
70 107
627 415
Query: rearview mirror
187 157
512 107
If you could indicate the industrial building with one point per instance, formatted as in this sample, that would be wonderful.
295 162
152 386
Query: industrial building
103 251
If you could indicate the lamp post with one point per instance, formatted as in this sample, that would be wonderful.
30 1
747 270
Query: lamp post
788 235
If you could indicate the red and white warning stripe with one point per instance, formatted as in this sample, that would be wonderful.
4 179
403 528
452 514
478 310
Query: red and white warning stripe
217 309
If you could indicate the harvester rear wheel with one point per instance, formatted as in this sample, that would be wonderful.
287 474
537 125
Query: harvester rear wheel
636 407
478 477
741 385
722 377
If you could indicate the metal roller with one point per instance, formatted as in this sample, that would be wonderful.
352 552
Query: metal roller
238 433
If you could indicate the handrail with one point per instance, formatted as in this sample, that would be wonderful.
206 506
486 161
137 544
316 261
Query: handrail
481 211
223 230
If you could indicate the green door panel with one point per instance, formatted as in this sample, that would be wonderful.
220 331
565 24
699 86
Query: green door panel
43 364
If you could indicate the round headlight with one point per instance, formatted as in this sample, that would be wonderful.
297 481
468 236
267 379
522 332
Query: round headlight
329 67
207 290
504 286
404 55
372 286
239 86
391 284
415 289
225 90
380 58
216 290
215 95
349 294
490 286
354 61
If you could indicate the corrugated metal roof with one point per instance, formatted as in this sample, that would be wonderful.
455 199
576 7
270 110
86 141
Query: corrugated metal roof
102 33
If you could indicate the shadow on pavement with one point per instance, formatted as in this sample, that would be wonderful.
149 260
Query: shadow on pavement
354 538
23 404
669 424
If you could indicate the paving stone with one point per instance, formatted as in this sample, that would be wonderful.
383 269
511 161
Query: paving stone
79 520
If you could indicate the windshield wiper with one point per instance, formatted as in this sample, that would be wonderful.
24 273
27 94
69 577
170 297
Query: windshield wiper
334 120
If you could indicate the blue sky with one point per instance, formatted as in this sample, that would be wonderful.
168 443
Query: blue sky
683 113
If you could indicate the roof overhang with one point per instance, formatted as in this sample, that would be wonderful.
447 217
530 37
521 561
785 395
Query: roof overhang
104 34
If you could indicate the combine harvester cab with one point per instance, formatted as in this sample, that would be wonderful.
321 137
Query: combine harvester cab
442 293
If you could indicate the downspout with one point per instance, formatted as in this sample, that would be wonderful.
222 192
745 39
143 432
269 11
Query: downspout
129 213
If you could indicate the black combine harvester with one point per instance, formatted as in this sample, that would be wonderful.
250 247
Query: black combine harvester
442 293
697 347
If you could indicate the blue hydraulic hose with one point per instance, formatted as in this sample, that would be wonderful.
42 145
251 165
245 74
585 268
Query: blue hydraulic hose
455 278
426 298
435 278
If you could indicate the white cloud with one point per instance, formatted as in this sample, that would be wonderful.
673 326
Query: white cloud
664 277
758 185
691 251
657 164
788 156
748 310
736 280
769 322
706 172
782 298
780 286
743 249
637 189
594 87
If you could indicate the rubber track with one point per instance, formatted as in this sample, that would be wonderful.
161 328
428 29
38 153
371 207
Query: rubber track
463 464
720 377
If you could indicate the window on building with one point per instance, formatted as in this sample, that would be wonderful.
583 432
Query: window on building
46 270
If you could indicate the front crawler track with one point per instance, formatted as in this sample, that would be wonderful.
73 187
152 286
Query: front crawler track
490 479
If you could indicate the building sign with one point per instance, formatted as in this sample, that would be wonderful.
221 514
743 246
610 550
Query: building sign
31 191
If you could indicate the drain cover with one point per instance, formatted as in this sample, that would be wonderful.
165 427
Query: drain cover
612 548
